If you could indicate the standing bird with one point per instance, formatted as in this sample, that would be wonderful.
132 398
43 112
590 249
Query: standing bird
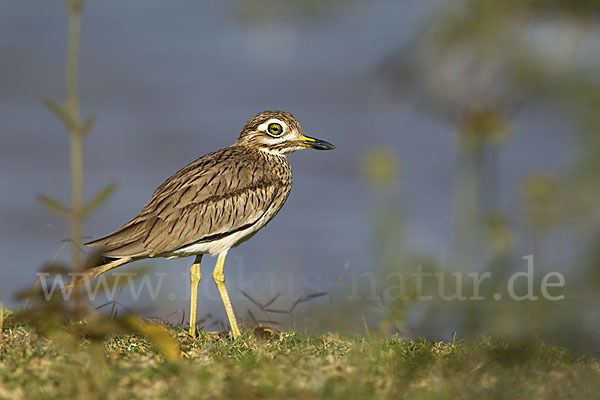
215 203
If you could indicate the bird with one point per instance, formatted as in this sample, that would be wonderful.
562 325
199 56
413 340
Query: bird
211 205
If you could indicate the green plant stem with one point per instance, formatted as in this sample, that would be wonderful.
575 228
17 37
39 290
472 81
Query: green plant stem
76 134
73 62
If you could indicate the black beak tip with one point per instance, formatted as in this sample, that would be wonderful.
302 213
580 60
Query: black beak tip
323 145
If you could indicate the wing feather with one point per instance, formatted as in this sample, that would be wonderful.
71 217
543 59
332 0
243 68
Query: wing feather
211 197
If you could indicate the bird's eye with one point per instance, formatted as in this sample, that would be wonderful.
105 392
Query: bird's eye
275 129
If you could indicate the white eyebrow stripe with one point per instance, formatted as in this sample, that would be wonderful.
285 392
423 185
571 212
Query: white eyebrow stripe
263 127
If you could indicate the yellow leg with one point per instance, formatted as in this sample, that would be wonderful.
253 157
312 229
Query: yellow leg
195 277
219 279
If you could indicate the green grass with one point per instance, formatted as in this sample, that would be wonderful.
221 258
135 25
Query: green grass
290 365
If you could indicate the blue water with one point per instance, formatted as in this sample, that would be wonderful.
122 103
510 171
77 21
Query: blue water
171 81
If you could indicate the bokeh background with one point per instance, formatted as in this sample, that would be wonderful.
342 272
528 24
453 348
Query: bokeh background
466 134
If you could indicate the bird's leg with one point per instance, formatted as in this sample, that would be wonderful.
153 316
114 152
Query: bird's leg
195 277
219 279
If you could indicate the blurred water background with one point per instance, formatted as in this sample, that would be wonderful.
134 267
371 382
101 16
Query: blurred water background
466 137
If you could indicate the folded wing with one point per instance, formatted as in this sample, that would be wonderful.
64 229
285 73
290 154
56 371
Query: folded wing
219 194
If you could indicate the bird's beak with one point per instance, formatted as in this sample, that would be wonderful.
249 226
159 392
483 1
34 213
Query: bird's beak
312 143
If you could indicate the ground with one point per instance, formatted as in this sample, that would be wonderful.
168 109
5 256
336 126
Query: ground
264 364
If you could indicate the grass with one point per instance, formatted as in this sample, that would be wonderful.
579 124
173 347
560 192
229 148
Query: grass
289 365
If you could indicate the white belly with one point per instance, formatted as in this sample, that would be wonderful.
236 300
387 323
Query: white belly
216 246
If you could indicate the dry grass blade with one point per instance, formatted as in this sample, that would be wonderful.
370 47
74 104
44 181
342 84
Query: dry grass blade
277 311
251 315
268 303
182 317
256 303
160 337
305 298
113 310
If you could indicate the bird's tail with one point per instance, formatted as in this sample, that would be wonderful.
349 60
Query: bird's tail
90 274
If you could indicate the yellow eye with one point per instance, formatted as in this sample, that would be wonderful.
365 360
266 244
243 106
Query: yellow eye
275 129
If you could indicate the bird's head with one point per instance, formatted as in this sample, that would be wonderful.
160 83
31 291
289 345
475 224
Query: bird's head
278 132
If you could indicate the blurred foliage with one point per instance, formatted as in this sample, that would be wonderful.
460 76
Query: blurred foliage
49 312
479 66
584 10
69 114
68 319
480 126
500 236
540 195
480 60
381 167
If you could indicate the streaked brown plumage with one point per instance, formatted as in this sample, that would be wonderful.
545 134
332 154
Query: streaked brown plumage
215 203
219 194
